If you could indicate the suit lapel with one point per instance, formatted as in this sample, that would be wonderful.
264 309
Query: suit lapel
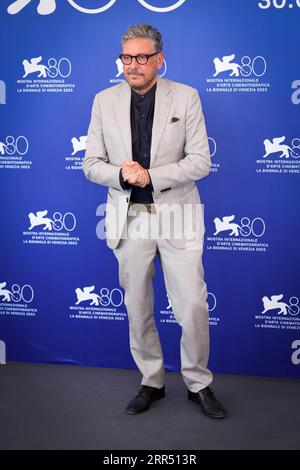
122 110
161 111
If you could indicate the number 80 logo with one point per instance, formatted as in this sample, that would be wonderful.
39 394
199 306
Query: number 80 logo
144 3
46 7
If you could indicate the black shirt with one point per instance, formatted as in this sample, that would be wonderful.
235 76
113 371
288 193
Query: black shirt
141 119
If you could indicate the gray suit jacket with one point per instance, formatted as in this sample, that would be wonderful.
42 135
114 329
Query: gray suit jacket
179 153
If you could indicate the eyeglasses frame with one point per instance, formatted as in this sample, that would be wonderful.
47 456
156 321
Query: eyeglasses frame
136 57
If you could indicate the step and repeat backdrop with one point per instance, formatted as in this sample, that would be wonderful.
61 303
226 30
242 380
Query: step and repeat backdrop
60 300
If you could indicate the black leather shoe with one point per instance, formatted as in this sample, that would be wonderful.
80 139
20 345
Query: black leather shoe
210 405
142 401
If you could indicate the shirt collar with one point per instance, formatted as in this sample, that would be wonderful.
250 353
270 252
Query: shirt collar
138 98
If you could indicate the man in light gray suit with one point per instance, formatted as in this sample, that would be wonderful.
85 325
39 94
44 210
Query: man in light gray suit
147 142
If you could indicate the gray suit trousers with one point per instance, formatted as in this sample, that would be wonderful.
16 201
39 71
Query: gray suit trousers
187 291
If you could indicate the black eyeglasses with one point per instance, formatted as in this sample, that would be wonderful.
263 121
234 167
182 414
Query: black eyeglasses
141 59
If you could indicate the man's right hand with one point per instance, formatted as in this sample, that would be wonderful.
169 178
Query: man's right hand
129 168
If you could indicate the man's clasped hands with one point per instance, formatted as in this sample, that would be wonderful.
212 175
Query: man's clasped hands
135 174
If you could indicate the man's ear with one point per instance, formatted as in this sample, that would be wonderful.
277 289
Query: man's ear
160 60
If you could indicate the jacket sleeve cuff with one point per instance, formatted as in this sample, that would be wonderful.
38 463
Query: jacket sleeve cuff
124 184
150 183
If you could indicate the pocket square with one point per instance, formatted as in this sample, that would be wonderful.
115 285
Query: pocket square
174 119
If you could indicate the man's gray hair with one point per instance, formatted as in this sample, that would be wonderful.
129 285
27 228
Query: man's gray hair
143 30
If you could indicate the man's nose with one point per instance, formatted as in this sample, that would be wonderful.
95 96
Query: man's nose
134 66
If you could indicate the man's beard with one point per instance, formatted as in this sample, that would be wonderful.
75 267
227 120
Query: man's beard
140 86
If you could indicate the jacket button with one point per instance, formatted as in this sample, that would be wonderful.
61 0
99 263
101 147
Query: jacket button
127 199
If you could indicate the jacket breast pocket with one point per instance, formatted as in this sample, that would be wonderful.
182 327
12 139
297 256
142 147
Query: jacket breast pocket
174 126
